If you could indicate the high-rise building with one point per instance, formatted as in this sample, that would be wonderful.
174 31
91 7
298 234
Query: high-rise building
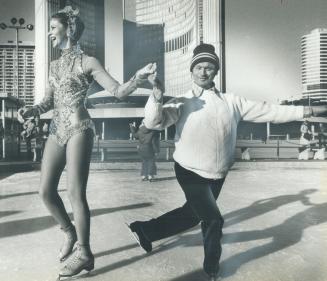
17 73
186 23
144 43
179 19
314 66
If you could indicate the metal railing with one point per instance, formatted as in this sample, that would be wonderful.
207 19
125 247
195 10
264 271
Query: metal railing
118 150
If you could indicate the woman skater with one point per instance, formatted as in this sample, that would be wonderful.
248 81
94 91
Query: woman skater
71 133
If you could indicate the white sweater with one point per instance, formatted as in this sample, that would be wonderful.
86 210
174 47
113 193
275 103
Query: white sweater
206 126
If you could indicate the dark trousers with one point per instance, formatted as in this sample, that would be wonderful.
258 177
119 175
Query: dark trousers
201 195
149 167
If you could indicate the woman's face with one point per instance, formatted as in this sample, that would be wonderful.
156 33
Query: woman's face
58 33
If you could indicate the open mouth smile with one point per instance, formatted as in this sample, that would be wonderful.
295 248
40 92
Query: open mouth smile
52 38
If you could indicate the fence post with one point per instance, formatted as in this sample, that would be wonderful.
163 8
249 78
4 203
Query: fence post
278 148
98 143
102 155
167 153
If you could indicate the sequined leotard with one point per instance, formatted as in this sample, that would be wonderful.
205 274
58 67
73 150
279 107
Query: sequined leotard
69 78
68 86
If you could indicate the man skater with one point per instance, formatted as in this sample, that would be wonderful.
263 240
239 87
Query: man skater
206 126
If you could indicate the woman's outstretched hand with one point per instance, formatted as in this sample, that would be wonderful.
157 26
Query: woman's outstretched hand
153 80
143 73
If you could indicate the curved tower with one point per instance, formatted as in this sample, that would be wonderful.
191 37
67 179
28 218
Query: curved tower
179 18
314 66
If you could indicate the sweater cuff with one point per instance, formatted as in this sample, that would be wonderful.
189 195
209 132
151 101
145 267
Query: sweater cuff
154 99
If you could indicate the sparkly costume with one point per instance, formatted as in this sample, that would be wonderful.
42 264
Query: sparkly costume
69 83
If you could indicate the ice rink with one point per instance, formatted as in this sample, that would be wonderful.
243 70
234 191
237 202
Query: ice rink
275 225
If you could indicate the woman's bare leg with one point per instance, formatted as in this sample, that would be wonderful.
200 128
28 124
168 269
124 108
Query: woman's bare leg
53 163
78 155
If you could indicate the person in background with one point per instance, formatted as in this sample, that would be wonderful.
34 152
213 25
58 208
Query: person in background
322 135
319 153
29 128
45 134
28 133
149 146
306 134
245 153
305 141
38 140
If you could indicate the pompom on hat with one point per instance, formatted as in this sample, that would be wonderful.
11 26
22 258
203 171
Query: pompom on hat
204 53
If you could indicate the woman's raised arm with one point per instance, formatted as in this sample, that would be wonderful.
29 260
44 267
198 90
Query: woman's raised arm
120 91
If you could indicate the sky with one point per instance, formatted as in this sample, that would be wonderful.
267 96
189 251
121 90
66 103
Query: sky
263 37
263 58
16 9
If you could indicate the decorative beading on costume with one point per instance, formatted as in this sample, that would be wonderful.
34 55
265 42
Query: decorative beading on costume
69 86
62 139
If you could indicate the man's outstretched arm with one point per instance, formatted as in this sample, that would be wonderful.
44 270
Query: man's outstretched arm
255 111
316 111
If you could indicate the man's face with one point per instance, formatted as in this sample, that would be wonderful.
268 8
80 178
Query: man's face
203 74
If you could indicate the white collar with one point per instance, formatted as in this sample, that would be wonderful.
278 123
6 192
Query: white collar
198 91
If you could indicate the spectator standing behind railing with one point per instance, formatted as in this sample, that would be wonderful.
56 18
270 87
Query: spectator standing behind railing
29 132
320 152
38 144
306 134
32 130
45 134
305 141
322 135
149 146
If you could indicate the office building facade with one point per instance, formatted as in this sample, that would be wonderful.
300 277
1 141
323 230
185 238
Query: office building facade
17 71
